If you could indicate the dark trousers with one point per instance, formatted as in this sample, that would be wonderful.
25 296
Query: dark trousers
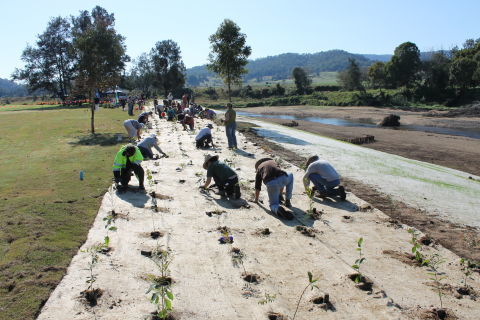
146 153
130 109
231 187
204 141
126 173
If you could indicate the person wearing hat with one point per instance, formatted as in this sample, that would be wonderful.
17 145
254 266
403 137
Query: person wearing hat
143 117
275 180
133 128
147 144
128 159
324 178
204 137
224 177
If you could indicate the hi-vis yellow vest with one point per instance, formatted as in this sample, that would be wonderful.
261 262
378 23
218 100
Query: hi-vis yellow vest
121 160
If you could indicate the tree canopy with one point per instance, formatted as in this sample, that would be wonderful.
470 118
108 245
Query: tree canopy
229 54
168 67
50 64
302 81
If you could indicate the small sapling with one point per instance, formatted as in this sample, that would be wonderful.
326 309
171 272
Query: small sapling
434 262
311 284
467 267
109 220
160 287
268 298
359 261
416 248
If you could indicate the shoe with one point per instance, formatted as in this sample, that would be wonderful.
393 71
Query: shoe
237 193
288 204
282 213
222 193
280 198
342 193
141 188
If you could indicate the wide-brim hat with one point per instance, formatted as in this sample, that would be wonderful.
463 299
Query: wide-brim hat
259 162
312 159
208 158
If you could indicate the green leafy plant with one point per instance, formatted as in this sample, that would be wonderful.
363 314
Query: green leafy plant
358 263
467 267
109 220
310 194
94 258
416 248
434 262
150 180
160 287
268 298
237 258
311 284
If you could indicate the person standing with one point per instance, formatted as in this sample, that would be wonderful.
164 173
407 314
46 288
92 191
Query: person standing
128 159
275 180
170 98
324 178
231 126
131 103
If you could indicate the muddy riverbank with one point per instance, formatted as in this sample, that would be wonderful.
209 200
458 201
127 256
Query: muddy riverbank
456 152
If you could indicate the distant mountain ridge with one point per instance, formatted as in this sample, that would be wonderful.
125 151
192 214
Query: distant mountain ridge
280 66
11 89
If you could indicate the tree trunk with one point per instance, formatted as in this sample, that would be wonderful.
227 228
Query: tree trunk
229 92
92 109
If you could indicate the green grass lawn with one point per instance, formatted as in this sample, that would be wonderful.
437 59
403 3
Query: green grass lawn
45 210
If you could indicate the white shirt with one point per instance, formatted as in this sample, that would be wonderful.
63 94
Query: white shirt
203 132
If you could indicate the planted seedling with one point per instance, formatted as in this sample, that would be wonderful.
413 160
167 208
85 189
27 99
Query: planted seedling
467 267
416 248
150 180
109 220
237 258
311 284
160 287
359 261
268 298
434 262
92 294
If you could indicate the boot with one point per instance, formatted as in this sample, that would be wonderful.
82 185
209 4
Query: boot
288 204
341 192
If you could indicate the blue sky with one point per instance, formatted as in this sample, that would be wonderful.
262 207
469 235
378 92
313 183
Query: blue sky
272 26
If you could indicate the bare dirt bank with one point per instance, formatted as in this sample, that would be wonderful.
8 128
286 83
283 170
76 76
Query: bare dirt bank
455 152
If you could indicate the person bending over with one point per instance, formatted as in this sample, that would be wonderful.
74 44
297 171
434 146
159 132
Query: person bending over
324 177
143 117
128 159
275 180
146 146
224 177
133 128
204 137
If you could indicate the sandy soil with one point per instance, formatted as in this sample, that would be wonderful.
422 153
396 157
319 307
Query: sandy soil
455 152
207 285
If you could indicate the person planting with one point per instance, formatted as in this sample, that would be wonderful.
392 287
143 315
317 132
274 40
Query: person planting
189 121
275 180
224 177
143 117
324 177
133 128
128 159
204 137
146 146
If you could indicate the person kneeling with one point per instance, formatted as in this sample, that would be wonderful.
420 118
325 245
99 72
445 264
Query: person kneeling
324 178
225 178
275 180
204 137
128 159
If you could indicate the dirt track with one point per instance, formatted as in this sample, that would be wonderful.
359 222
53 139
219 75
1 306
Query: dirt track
455 152
206 283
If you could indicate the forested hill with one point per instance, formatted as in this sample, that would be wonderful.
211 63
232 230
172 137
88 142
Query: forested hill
11 89
281 66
